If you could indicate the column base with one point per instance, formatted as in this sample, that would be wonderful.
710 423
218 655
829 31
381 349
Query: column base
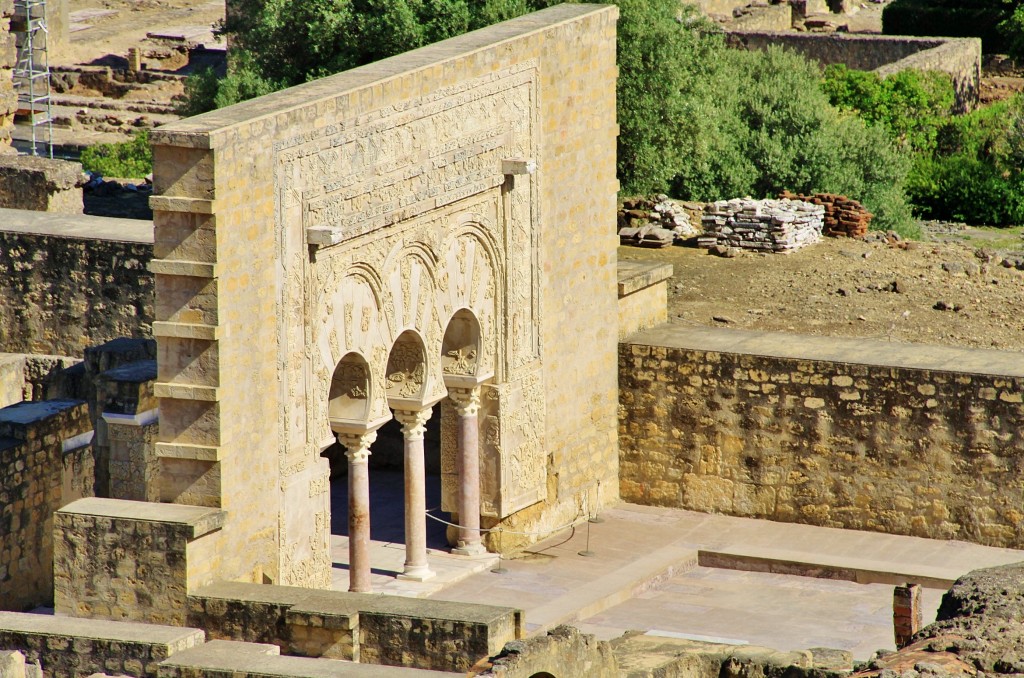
476 549
422 573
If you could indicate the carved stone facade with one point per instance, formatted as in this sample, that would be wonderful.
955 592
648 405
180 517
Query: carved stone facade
365 243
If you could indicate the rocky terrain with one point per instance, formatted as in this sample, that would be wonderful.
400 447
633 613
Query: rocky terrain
947 290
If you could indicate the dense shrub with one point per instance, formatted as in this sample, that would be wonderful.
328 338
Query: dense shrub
129 159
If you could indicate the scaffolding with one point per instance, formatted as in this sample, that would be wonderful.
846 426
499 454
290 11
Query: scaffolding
32 73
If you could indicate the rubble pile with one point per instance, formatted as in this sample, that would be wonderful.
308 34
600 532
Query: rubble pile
764 225
843 216
656 222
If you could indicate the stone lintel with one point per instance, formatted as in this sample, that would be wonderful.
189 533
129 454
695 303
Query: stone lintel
96 629
186 451
195 269
169 203
199 520
187 330
635 275
163 389
137 419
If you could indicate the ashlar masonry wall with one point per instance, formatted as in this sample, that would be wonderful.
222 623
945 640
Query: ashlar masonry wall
319 222
906 439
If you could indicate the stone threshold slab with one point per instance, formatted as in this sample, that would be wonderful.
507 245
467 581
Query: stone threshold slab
822 566
614 588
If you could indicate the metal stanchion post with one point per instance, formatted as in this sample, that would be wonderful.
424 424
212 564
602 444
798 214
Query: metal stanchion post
501 542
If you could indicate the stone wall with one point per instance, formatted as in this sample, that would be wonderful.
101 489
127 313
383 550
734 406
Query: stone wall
45 462
8 59
77 648
31 377
563 652
434 165
69 282
858 434
643 295
135 561
959 57
12 665
384 630
40 184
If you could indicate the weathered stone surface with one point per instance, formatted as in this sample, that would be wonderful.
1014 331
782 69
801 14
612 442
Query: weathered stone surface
826 439
72 282
41 184
563 651
761 225
44 463
75 648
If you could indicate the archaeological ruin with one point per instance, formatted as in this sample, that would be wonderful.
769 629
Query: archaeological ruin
416 261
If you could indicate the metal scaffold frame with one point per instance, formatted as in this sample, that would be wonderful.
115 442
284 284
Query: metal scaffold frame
32 72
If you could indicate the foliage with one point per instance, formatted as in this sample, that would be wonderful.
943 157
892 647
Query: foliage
974 171
129 159
909 105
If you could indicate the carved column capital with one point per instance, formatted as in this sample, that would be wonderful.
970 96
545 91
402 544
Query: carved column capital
414 423
357 445
466 400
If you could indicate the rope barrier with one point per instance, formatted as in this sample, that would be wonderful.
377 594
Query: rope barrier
576 521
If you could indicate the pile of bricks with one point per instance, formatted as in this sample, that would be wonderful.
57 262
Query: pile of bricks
764 225
843 216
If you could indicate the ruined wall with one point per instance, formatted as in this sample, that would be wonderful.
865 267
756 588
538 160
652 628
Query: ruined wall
67 283
960 57
135 561
45 462
8 59
395 174
563 652
30 377
922 441
40 184
77 648
391 631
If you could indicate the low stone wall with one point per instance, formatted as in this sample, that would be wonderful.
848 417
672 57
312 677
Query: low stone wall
563 652
31 377
848 433
387 630
129 560
960 57
76 648
69 282
45 462
643 295
41 184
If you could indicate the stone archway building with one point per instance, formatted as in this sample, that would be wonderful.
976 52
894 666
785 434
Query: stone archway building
434 226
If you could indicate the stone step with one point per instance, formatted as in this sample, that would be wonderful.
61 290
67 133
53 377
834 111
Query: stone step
828 566
613 588
230 658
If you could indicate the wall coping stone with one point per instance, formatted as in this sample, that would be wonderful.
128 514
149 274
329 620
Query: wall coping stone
211 130
317 601
30 412
201 520
638 274
850 350
132 373
77 226
96 629
256 659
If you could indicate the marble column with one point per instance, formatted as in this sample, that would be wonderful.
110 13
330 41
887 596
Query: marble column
414 425
357 449
467 460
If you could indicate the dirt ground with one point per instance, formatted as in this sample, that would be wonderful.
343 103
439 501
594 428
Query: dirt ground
852 288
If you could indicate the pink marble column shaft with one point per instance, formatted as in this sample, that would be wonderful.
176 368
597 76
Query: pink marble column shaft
414 425
467 405
357 449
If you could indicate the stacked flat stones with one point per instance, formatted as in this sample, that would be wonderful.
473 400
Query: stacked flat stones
843 216
657 222
763 225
